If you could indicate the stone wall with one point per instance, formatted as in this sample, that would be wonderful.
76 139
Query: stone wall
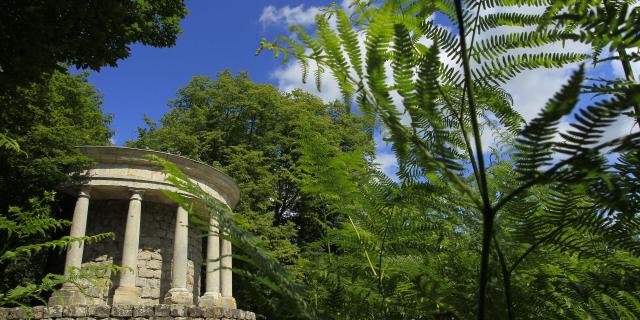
155 253
138 312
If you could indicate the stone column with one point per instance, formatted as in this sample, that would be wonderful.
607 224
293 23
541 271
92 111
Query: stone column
212 296
179 294
226 284
69 294
127 292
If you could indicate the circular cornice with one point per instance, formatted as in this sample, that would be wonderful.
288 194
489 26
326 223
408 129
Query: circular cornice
199 171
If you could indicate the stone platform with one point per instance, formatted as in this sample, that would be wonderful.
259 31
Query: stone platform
121 312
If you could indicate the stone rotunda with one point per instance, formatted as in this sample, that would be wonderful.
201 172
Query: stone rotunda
122 194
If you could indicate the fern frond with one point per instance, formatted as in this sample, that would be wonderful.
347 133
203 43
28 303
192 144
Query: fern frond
402 65
591 122
514 19
349 40
28 250
10 144
535 143
447 40
499 44
336 61
501 70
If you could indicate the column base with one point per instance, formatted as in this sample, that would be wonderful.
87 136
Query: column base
179 296
210 299
229 303
68 295
126 295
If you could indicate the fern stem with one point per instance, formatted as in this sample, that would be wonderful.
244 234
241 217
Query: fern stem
366 253
462 104
626 65
506 279
382 243
487 212
628 72
465 136
472 106
473 32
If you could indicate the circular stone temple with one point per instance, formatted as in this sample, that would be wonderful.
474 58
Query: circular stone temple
162 256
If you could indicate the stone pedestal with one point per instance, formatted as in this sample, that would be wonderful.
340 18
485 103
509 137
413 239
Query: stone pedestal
67 295
126 295
211 299
179 296
229 303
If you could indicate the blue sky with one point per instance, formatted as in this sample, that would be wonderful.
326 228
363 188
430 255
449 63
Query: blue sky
216 36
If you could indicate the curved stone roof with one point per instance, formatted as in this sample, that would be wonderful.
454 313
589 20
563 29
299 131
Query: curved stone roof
118 169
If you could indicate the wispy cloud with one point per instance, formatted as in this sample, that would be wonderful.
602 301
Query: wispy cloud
287 15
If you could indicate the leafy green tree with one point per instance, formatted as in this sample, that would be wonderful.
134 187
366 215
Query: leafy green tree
39 35
252 131
48 120
45 121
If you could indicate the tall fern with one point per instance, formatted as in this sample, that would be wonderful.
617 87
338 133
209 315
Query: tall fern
449 104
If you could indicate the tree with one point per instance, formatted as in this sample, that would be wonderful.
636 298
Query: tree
446 105
45 121
48 120
252 131
39 35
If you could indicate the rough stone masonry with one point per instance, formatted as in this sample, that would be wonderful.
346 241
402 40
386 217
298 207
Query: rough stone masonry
138 312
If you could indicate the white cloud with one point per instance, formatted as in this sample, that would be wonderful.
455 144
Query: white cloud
289 77
388 163
385 158
532 89
298 15
288 15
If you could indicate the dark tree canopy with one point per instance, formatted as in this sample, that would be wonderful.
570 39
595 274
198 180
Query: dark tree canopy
48 120
37 35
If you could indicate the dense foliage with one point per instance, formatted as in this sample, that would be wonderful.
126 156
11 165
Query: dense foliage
47 120
44 122
38 35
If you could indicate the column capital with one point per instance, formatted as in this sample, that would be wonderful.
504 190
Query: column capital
84 192
135 194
